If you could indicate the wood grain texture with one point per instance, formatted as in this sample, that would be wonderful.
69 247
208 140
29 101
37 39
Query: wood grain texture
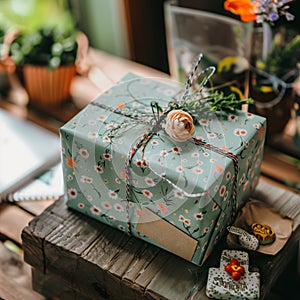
281 167
37 231
15 276
283 201
55 287
13 291
97 261
12 221
34 207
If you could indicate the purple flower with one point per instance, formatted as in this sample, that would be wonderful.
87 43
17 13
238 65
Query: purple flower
273 16
271 10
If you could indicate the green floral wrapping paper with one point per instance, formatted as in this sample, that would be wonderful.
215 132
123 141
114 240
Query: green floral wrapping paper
189 187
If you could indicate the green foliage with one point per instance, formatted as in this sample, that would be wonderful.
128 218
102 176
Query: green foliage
284 55
29 15
47 31
49 46
2 33
218 102
214 101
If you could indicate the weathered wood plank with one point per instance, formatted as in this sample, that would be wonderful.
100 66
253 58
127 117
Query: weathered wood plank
15 276
117 290
34 234
12 221
124 257
177 280
275 265
35 207
100 261
281 200
54 286
140 262
75 233
64 245
147 273
106 250
12 291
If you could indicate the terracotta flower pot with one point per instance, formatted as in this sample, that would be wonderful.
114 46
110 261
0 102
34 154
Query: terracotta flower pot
48 87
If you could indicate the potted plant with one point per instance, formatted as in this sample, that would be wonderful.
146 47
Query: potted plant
274 54
47 59
4 81
45 48
273 78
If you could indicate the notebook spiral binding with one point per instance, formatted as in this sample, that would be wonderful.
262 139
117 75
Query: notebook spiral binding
48 186
14 197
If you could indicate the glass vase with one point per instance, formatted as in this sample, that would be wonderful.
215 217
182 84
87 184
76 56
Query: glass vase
223 41
272 74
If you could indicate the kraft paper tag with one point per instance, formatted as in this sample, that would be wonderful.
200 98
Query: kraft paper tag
166 234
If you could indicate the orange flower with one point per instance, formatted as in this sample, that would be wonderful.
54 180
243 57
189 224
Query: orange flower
123 175
162 207
121 105
261 133
225 148
138 212
219 168
247 9
71 163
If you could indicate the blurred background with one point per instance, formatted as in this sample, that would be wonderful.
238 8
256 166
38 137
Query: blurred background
133 29
146 32
50 33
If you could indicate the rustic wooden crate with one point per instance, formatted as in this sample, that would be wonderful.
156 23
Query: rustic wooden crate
90 260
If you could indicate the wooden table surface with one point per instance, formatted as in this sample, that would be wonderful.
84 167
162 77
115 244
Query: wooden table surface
15 275
94 261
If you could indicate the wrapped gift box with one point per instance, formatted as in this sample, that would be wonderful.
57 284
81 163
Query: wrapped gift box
178 196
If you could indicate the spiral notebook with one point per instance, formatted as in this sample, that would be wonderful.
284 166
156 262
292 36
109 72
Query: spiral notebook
49 185
26 151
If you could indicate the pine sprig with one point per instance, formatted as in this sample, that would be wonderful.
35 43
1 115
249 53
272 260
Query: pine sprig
197 99
214 102
218 102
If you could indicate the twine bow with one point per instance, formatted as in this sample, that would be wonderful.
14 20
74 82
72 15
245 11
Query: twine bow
190 94
194 75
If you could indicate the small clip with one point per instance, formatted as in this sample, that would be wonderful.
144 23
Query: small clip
246 240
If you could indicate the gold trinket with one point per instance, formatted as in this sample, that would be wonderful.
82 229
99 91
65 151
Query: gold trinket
264 233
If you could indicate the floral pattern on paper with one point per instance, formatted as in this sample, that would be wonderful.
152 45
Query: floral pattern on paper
95 149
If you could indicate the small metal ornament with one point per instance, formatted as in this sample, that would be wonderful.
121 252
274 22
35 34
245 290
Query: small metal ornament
264 233
246 239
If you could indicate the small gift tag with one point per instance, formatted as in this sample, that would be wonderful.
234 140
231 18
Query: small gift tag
233 279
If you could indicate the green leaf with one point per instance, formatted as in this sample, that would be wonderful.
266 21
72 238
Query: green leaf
54 62
57 49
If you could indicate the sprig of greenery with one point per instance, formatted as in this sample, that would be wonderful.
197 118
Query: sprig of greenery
219 102
215 101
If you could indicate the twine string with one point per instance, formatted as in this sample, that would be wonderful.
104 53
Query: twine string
188 95
194 74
